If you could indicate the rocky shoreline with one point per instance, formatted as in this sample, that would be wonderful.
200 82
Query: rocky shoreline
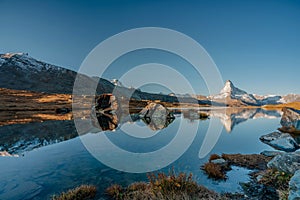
277 174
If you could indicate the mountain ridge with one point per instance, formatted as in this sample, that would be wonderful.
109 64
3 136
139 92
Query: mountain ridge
19 71
231 94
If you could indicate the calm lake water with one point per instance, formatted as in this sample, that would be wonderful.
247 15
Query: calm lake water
41 171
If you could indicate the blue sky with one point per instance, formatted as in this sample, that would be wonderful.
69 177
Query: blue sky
256 44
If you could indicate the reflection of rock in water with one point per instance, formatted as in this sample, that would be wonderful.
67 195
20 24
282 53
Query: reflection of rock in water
108 112
193 114
280 141
156 116
109 122
105 109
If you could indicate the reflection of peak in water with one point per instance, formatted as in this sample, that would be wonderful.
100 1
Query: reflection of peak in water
18 138
230 117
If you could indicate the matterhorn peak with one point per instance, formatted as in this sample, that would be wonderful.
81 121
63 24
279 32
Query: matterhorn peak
228 88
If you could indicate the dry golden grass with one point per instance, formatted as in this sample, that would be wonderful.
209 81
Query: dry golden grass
214 171
295 105
43 116
65 98
82 192
250 161
163 187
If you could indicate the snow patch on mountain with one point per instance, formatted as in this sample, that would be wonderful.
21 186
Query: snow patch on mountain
268 99
116 82
1 61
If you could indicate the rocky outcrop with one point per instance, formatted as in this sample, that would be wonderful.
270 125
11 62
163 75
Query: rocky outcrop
290 120
280 141
156 116
287 162
295 186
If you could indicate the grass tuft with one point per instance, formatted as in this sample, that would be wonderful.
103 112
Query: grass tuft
82 192
115 191
162 186
215 171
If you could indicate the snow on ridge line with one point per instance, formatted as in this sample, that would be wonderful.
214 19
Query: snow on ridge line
26 62
9 55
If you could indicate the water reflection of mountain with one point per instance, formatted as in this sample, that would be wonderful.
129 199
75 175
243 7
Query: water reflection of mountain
19 138
230 117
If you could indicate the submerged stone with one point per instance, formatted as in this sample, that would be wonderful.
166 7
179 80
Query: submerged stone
280 141
271 153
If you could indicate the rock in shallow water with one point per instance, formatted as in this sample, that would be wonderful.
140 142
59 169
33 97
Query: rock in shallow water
219 161
156 116
271 153
287 162
280 141
295 186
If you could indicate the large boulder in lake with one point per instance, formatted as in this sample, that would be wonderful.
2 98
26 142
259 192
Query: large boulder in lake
280 141
287 162
156 116
290 120
295 186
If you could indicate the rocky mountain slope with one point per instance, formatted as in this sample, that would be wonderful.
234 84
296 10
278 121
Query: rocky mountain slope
19 71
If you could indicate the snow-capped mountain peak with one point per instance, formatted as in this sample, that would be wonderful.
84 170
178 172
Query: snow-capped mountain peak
230 92
233 95
230 89
116 82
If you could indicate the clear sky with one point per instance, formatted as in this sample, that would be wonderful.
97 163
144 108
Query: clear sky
256 44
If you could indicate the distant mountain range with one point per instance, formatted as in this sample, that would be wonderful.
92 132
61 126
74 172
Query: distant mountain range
232 95
19 71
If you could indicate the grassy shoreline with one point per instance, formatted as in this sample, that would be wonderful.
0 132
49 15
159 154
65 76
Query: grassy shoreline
160 186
